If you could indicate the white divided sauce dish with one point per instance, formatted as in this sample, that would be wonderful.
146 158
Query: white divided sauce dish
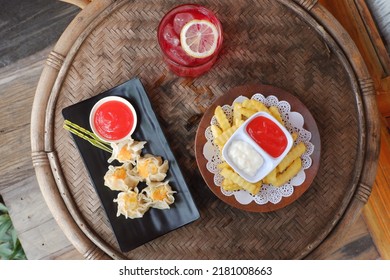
247 158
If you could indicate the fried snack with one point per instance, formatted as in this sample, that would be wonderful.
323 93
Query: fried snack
228 185
271 177
121 178
131 204
292 155
294 136
216 131
289 173
235 178
159 195
247 112
239 122
255 105
247 103
223 165
275 113
152 168
221 118
222 139
126 151
236 113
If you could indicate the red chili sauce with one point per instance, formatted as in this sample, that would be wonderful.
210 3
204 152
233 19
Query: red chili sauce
113 120
267 135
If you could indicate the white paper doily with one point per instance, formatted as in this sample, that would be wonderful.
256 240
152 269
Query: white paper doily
294 123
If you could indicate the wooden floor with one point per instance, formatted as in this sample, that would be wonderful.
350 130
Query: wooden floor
21 68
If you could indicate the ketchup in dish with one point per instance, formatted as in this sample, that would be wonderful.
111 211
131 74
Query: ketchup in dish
267 135
113 120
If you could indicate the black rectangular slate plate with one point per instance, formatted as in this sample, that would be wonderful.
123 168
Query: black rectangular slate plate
131 233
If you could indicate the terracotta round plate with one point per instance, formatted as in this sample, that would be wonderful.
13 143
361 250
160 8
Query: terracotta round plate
296 106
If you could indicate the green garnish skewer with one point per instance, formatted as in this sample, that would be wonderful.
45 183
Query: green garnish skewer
87 135
85 131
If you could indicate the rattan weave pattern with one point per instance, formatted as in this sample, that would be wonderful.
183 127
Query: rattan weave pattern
264 42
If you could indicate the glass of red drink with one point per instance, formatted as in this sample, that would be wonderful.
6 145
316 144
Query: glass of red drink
190 37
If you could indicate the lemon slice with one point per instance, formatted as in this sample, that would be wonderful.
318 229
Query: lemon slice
199 38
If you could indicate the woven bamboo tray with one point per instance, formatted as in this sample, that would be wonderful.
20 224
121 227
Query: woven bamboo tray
294 45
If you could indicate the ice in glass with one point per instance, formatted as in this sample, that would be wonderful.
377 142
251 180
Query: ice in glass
190 37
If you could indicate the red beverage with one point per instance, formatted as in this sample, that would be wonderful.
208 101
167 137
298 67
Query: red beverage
190 37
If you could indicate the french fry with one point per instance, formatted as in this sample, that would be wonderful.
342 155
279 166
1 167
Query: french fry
222 139
228 185
275 113
216 131
237 179
236 113
271 177
292 155
294 136
239 122
232 187
247 103
221 118
289 173
255 105
223 165
259 184
247 112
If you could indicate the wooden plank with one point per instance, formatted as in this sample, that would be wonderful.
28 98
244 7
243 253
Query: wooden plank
39 234
17 84
358 246
26 205
384 104
30 26
380 11
68 253
44 241
374 35
377 211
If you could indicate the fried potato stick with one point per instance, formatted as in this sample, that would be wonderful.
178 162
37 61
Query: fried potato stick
255 105
294 136
236 113
237 179
292 155
222 139
228 185
246 112
271 177
275 113
289 173
216 131
221 118
223 165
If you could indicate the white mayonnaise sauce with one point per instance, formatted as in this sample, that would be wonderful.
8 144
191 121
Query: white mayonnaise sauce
245 157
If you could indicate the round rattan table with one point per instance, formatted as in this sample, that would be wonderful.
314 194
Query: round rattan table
293 45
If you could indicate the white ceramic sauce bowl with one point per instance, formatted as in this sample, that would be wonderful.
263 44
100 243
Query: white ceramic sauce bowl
100 103
269 162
